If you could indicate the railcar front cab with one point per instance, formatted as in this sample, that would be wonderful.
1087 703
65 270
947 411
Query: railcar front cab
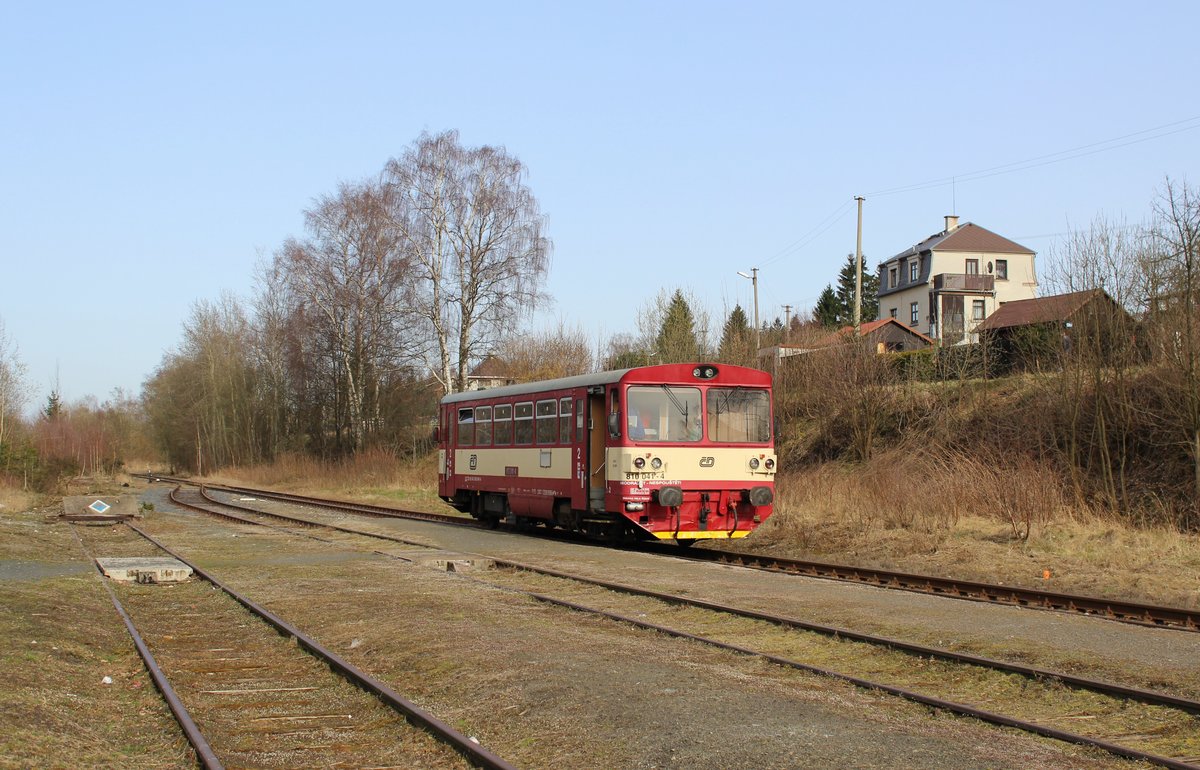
692 459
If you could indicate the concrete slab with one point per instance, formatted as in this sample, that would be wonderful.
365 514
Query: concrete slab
101 508
450 561
145 569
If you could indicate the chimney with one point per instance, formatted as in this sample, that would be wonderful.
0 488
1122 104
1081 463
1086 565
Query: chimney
951 222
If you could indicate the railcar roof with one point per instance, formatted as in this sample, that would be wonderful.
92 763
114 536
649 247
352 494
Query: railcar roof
578 381
660 372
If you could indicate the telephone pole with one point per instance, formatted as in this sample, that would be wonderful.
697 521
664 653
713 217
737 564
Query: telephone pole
754 280
858 273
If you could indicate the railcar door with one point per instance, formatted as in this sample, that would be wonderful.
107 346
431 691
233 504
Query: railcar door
446 451
596 459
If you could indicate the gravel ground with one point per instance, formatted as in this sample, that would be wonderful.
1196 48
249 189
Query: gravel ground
548 688
1140 656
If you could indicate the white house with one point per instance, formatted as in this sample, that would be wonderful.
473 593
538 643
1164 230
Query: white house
950 282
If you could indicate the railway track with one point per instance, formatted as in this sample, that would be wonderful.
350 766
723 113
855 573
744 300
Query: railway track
251 690
1112 609
1130 722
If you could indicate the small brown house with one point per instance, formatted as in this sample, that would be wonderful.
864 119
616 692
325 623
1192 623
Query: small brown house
490 373
1033 331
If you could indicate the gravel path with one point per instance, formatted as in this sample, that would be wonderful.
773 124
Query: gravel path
1134 655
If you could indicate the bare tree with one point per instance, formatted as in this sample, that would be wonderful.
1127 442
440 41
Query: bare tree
349 278
474 233
1097 391
1175 271
14 390
548 354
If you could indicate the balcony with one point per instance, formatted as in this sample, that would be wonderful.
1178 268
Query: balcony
964 282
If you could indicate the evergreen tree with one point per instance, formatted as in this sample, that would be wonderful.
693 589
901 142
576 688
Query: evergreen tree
737 339
835 308
676 341
827 312
845 293
53 406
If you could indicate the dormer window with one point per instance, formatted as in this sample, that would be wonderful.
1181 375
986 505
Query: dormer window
914 271
891 277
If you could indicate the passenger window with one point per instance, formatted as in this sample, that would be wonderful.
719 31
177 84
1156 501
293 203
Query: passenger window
547 424
483 426
564 421
466 427
523 423
502 432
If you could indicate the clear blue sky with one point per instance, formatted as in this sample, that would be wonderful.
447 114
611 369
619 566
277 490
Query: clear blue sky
151 154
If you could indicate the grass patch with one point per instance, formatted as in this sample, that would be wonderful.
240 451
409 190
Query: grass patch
962 519
59 638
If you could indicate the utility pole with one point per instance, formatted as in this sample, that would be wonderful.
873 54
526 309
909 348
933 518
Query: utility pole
754 280
858 274
787 321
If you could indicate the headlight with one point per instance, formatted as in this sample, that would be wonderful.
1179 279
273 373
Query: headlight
753 463
770 464
656 463
639 462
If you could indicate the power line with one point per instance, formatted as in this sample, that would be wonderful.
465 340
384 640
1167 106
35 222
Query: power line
821 228
1061 156
1157 132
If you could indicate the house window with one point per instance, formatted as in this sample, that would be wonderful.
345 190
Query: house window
892 312
914 313
977 310
1002 269
972 267
892 278
914 270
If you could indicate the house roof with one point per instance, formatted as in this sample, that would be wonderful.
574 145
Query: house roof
1025 312
490 368
966 237
866 329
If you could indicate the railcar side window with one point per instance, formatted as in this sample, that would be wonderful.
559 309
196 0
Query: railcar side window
523 423
502 427
564 421
739 415
483 425
466 427
579 419
547 422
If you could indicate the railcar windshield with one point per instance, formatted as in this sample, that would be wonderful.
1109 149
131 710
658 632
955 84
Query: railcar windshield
739 415
664 413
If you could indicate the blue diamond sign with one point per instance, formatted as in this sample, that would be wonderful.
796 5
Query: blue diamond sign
99 506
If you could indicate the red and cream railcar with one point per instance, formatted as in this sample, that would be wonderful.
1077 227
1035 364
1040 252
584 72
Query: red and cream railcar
676 451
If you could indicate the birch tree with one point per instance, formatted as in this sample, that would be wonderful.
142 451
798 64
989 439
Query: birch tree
475 236
14 391
349 278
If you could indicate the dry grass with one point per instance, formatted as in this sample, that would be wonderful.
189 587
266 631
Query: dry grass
59 710
372 476
16 499
974 519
